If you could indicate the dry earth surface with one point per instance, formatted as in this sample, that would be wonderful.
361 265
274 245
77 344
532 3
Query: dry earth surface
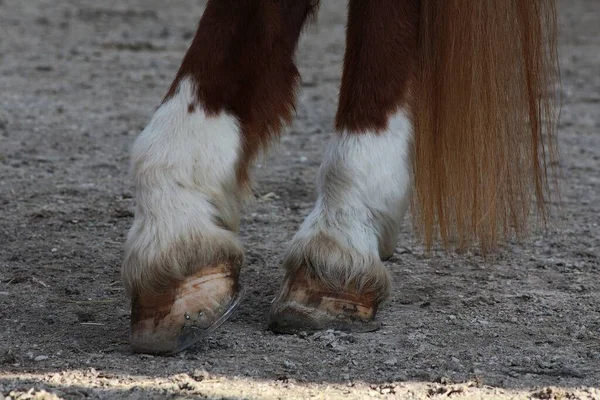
79 80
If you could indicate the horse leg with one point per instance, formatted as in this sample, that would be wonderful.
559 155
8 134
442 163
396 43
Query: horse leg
334 275
234 91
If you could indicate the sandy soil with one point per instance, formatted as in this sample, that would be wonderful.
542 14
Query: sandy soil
78 81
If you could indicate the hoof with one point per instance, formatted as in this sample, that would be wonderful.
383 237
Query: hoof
306 305
171 321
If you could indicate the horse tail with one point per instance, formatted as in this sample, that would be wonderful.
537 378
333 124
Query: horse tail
484 116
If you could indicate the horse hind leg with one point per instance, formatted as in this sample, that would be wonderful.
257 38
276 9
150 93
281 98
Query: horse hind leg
334 275
234 91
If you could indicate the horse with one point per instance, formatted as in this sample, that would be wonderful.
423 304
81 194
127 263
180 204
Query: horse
447 107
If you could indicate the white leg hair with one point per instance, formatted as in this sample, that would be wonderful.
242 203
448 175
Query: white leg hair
187 208
363 191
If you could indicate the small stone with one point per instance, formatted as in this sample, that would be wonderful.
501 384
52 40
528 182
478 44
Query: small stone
444 380
400 377
403 250
391 361
269 196
54 250
200 374
303 159
40 358
544 364
7 357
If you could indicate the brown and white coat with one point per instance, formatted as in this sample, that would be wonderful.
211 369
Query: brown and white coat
402 85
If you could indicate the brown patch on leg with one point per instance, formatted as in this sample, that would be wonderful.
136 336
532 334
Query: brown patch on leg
242 62
380 60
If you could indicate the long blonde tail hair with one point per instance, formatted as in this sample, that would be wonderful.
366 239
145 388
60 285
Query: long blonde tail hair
484 115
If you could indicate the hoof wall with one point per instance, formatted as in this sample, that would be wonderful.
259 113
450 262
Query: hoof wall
169 322
305 305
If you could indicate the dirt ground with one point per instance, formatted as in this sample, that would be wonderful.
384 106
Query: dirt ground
79 80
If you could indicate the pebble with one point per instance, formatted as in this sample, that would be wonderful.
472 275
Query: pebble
391 361
400 377
40 358
200 375
328 335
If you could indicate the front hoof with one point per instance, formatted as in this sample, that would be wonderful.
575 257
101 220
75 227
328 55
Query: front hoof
169 322
306 305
